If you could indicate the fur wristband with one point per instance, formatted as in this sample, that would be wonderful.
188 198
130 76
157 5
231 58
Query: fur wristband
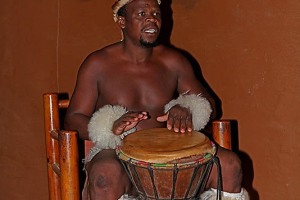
199 107
100 127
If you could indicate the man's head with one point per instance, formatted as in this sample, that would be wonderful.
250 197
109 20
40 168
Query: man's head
140 21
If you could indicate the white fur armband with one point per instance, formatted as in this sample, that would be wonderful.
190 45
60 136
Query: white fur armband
100 127
199 106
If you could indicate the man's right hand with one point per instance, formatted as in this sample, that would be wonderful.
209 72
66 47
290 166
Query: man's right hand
128 121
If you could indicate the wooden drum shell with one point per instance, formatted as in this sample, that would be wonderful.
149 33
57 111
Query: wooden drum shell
170 178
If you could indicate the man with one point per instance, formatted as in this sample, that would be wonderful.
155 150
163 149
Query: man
132 85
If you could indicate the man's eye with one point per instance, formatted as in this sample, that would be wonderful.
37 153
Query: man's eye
157 14
141 13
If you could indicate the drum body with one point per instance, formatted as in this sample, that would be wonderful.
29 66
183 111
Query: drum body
166 165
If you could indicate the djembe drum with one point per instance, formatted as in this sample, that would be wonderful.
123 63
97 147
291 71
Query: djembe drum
163 164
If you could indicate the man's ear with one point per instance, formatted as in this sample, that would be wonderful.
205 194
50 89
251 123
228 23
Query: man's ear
121 21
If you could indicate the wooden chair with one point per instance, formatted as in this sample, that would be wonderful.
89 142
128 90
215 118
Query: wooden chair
62 149
62 152
221 133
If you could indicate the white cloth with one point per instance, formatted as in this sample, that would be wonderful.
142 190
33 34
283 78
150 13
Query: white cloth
126 197
211 194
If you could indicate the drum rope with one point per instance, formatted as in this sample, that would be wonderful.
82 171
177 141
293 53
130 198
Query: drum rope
175 172
219 179
199 185
150 170
204 178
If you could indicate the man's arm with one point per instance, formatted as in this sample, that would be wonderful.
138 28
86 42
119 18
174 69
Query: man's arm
187 82
179 117
84 98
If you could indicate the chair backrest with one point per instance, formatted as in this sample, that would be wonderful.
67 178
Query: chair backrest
221 133
62 152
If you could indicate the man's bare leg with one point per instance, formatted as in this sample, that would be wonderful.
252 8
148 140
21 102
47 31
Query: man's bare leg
231 178
107 178
231 172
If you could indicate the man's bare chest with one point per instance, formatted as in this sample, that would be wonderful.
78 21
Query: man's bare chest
137 89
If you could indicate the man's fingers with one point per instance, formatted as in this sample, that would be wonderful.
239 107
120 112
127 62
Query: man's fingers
135 116
162 118
128 121
121 127
189 123
179 123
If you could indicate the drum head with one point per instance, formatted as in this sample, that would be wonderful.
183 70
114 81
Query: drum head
161 145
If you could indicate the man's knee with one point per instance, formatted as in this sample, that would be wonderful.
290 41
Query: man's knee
231 164
100 181
105 173
106 178
231 170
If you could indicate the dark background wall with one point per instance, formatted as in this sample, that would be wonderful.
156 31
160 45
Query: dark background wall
248 51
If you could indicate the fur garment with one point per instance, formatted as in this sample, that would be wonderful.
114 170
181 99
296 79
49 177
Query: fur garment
211 194
100 127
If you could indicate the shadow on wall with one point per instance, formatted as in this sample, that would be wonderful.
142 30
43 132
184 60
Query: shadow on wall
167 22
247 164
165 35
248 175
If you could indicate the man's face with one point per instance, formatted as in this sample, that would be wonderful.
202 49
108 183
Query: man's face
143 22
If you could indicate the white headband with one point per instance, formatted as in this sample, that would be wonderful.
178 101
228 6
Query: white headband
119 4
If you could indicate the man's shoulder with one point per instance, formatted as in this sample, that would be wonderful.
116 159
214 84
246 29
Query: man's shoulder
104 51
102 55
171 54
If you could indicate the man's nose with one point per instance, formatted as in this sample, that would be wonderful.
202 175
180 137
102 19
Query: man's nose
151 18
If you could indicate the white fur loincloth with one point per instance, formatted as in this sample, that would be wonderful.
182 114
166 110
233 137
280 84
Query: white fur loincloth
211 194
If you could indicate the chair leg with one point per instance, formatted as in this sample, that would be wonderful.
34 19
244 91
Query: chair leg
69 165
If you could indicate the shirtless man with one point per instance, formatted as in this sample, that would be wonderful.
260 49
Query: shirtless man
141 77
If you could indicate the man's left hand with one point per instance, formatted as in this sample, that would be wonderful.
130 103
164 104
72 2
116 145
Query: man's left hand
178 118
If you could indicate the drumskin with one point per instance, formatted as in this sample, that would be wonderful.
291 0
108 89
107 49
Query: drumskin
160 145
